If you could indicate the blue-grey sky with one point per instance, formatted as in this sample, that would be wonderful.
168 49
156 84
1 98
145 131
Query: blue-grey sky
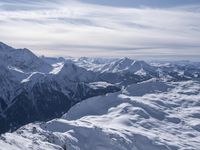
140 3
134 28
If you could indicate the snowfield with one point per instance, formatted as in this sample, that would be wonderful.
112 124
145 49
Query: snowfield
152 115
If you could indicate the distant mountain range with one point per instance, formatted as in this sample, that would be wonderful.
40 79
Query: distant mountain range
42 88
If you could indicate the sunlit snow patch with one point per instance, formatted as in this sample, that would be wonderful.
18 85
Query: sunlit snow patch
57 68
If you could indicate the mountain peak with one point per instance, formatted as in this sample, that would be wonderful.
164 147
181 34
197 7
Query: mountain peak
126 59
22 59
4 46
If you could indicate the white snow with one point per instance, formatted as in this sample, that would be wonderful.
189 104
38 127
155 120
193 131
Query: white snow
15 69
22 59
97 85
126 65
33 77
152 115
112 65
141 72
93 64
57 68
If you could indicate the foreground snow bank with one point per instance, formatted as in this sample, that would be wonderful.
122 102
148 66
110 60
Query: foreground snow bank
151 115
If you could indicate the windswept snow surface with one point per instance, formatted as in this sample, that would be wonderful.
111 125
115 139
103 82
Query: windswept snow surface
151 115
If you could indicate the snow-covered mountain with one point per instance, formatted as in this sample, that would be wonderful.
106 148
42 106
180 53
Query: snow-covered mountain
178 71
71 72
153 115
33 89
126 65
125 71
153 103
22 59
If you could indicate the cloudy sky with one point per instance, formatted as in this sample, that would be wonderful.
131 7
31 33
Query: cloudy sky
110 28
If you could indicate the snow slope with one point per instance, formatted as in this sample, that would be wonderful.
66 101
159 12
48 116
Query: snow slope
151 115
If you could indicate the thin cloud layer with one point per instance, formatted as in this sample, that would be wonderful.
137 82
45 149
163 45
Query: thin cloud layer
75 28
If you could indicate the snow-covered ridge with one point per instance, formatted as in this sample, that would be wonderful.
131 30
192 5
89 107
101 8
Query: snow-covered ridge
39 88
112 65
22 59
125 64
156 119
34 88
